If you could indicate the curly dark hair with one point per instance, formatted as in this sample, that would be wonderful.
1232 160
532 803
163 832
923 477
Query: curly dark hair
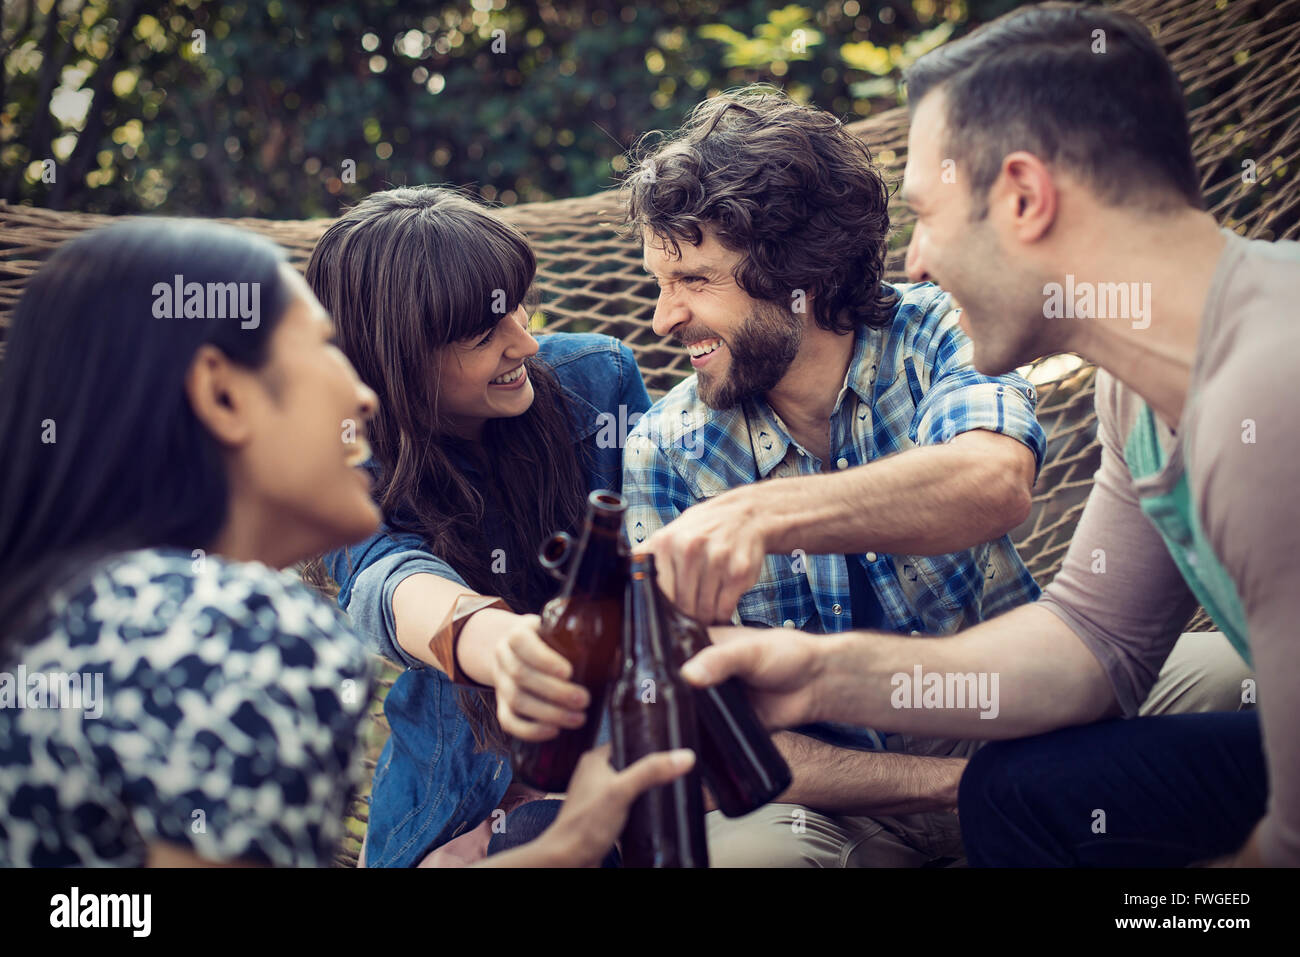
787 186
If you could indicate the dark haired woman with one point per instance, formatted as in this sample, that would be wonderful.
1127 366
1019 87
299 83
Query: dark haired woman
178 423
486 441
172 409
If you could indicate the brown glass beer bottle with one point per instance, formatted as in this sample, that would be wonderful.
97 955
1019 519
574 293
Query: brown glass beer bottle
651 709
584 623
740 764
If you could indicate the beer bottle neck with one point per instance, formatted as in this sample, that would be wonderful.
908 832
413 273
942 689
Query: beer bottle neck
691 636
646 633
601 568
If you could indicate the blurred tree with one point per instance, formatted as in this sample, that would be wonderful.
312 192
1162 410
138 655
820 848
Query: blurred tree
291 108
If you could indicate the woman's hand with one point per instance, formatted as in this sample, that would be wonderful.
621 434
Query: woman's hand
535 699
595 809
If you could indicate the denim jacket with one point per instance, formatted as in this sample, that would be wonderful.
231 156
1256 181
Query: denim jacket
430 783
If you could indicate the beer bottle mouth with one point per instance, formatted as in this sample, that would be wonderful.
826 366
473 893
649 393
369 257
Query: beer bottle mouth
606 501
555 553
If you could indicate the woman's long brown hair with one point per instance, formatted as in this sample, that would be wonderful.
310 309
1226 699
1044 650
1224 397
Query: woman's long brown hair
404 274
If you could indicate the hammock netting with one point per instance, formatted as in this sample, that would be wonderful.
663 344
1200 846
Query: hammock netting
1238 62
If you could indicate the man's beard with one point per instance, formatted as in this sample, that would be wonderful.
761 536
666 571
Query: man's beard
762 349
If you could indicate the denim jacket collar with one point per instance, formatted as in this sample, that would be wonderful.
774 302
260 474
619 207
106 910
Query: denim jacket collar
584 418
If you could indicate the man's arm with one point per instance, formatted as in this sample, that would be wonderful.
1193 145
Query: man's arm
1091 647
843 781
929 500
974 489
968 479
1046 677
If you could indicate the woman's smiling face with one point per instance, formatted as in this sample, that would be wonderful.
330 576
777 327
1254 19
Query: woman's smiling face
485 378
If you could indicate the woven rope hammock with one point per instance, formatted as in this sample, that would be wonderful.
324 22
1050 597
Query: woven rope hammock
1238 61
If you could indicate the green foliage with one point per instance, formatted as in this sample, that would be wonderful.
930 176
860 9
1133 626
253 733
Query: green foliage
886 63
786 36
237 108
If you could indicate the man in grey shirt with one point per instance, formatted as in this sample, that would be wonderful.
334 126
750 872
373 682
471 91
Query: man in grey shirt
1057 199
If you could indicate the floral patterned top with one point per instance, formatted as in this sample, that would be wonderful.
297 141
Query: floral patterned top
204 703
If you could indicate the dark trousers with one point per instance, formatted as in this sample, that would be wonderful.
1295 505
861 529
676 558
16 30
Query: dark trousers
526 822
1164 791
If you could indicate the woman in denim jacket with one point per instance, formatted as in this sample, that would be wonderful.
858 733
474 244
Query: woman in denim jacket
486 441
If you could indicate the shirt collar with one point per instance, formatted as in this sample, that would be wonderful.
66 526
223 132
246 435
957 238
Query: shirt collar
768 436
584 417
861 374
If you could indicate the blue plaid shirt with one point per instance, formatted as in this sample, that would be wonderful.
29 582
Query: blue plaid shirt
908 384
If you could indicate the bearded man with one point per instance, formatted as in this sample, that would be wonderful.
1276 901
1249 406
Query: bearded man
840 463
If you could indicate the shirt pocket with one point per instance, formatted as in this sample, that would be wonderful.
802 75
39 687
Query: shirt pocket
782 598
930 597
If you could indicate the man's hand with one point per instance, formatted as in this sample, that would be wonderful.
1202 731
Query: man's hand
781 667
535 699
928 500
709 555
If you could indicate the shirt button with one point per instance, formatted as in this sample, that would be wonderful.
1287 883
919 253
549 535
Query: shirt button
916 632
788 623
871 556
837 608
841 463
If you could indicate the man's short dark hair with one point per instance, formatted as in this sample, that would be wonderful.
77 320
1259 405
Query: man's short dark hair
787 186
1081 87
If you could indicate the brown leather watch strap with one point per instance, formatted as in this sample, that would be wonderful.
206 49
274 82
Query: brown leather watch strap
445 640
